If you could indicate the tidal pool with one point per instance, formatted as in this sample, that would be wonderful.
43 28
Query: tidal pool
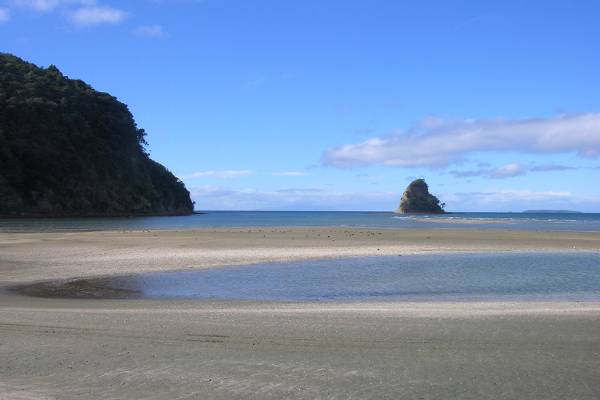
498 276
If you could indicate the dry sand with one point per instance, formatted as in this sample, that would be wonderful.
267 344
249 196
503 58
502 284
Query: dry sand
142 349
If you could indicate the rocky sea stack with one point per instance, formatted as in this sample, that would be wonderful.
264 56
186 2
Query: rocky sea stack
417 199
68 150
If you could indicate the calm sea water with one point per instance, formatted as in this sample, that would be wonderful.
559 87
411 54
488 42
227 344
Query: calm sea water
517 221
508 276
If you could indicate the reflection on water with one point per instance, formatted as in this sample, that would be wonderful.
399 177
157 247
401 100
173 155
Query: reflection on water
573 276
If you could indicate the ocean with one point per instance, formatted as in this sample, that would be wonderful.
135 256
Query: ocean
584 222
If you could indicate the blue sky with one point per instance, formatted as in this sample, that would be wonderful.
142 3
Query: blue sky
337 105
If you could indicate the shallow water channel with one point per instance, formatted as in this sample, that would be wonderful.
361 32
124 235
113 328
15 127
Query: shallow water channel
498 276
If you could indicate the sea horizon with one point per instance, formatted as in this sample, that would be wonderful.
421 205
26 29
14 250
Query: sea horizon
527 221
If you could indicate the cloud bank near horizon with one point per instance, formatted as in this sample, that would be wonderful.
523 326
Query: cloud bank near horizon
222 174
438 143
216 197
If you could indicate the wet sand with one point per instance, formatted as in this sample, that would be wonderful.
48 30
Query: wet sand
26 257
74 348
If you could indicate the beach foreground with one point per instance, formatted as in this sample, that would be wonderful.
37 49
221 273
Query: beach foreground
72 349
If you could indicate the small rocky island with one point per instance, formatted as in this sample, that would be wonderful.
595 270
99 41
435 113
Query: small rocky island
417 200
69 150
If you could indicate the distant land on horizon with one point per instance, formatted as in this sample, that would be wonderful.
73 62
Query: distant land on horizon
552 212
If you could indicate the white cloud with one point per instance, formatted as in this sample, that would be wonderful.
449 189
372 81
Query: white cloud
224 174
38 5
80 12
95 15
437 143
289 173
153 31
4 15
509 170
49 5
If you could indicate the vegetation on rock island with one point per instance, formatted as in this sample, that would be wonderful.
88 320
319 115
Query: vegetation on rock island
417 199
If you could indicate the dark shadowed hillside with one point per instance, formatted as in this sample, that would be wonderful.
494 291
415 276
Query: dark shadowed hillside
68 150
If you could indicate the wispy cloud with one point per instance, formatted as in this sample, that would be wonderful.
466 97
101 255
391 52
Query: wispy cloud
38 5
551 167
509 170
219 198
223 174
151 31
289 173
438 143
512 196
469 173
4 15
49 5
80 12
96 15
300 190
255 83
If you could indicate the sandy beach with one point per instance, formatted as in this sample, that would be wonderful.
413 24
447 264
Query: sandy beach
111 349
26 257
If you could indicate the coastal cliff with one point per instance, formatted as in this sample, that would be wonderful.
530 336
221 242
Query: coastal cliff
417 200
69 150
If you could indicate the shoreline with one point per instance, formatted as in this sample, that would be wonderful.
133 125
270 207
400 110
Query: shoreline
31 257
